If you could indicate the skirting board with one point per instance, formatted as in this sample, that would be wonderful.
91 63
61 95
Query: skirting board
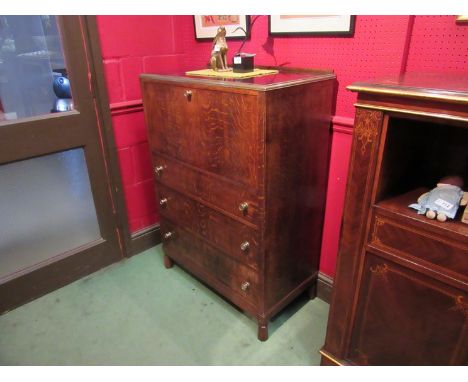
144 239
324 287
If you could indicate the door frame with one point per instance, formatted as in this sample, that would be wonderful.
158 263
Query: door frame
144 238
102 104
24 286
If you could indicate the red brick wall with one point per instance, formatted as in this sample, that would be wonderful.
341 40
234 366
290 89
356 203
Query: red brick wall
131 45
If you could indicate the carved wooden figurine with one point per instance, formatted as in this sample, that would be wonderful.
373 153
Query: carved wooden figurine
218 59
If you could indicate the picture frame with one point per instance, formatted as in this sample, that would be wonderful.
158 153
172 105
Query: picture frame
206 26
294 25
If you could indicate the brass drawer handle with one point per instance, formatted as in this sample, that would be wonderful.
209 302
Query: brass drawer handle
158 170
188 94
163 202
244 207
245 286
245 246
168 235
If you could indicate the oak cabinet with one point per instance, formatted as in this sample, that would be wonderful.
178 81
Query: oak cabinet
241 173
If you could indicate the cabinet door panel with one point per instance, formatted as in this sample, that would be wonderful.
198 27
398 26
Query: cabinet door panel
215 131
404 318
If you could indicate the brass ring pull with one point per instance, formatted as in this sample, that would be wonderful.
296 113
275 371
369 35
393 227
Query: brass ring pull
245 246
245 286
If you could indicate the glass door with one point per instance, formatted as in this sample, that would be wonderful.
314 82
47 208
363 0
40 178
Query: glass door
57 215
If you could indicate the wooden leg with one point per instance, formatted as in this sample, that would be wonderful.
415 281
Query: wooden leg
168 263
262 330
312 291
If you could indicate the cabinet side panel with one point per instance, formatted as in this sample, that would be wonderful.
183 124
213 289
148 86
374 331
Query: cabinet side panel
367 129
297 155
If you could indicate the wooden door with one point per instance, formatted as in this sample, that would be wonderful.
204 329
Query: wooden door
58 200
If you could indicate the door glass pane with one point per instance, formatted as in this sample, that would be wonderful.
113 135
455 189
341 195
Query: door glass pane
46 208
33 75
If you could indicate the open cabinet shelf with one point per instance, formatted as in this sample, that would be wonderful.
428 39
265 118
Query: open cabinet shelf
398 205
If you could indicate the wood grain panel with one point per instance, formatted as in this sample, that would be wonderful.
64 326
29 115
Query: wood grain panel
296 183
214 131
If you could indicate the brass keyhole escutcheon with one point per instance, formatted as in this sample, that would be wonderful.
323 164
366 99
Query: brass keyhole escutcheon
188 94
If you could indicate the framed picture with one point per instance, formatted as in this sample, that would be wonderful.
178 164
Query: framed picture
283 25
206 26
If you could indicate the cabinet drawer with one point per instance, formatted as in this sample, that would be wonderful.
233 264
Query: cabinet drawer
208 263
226 196
389 234
229 235
217 131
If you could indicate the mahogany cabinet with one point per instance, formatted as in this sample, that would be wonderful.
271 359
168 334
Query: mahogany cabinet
241 173
400 295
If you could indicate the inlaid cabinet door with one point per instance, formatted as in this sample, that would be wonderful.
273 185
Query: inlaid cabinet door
213 130
405 318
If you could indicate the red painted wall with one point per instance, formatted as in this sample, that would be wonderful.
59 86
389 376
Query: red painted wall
381 45
438 44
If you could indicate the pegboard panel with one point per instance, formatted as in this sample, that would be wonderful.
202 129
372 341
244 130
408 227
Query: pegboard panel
438 44
375 50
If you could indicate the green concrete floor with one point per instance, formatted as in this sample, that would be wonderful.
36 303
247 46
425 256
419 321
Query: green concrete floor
137 312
